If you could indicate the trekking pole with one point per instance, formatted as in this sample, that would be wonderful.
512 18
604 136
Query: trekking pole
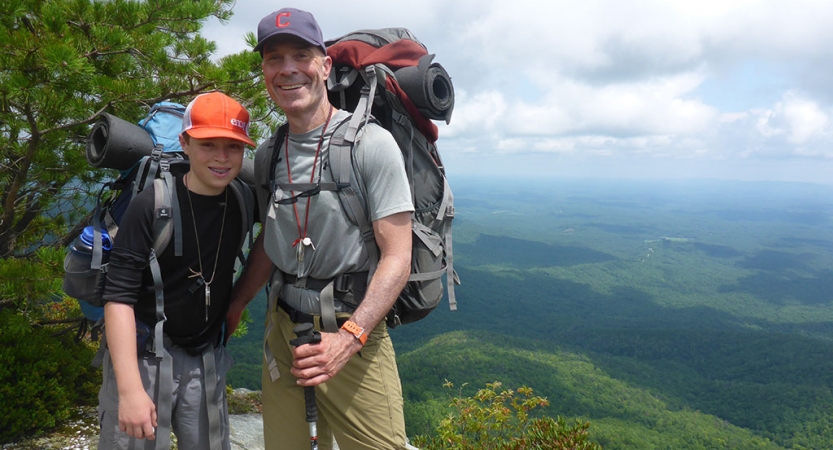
307 335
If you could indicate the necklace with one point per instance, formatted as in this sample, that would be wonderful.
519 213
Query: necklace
195 274
302 233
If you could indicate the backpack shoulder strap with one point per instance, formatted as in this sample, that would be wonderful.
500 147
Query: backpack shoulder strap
274 153
246 200
167 222
162 215
340 154
164 196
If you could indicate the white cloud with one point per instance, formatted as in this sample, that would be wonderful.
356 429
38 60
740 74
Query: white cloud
806 119
617 81
480 114
650 107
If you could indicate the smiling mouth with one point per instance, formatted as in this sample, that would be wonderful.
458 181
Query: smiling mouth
291 87
219 171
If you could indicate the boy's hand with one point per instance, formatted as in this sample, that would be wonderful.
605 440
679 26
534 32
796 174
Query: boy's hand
137 415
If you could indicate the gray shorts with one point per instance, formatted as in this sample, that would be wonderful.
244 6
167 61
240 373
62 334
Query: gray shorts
189 418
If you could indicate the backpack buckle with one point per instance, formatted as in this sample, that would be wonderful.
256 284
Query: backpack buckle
341 283
156 153
368 236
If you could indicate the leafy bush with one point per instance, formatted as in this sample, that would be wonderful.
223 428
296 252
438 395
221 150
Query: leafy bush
242 402
42 376
501 421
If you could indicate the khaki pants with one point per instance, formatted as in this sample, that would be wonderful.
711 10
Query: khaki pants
361 406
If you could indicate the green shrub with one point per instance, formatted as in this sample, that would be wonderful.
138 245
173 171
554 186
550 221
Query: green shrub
244 403
492 420
42 377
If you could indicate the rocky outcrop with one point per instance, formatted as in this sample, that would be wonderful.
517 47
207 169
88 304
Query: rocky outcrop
246 431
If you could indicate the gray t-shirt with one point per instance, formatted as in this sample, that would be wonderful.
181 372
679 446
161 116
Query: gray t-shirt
335 244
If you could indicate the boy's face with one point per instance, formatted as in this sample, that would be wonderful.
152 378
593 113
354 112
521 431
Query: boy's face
214 163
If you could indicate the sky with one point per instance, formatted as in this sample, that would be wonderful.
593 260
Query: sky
642 89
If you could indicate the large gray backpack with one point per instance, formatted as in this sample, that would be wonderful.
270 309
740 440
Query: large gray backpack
387 76
399 85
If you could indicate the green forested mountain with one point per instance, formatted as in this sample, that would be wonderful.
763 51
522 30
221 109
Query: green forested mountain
621 415
669 314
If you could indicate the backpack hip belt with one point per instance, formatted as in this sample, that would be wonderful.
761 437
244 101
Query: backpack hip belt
349 282
296 316
347 288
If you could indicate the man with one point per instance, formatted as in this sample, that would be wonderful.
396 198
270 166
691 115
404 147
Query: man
314 247
137 396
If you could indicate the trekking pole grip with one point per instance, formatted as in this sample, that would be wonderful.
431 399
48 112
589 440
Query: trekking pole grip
307 335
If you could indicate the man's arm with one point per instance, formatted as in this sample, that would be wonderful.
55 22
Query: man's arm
137 412
393 236
315 364
255 275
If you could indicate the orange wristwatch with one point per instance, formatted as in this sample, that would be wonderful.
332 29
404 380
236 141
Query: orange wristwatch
357 331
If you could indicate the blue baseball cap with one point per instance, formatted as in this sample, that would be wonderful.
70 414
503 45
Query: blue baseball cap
293 22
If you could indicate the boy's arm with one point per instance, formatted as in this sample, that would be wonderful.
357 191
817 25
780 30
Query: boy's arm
137 412
255 275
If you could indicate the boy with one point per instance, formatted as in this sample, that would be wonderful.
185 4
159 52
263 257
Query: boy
141 396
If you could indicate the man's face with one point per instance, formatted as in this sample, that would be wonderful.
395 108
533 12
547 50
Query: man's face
295 74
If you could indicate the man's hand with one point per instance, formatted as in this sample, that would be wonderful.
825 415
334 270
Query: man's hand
314 364
137 415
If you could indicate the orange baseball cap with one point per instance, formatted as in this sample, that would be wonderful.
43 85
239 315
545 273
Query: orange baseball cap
215 115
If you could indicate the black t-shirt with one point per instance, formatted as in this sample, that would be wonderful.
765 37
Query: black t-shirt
129 279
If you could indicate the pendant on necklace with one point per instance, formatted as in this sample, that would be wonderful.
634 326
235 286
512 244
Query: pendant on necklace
301 249
207 300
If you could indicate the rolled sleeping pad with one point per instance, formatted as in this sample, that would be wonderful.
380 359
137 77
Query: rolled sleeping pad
114 143
429 86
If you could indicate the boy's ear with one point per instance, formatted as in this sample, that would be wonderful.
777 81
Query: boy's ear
183 142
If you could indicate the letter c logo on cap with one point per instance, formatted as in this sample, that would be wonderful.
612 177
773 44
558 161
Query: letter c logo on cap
280 22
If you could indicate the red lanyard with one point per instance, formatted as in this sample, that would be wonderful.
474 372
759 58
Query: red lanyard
302 234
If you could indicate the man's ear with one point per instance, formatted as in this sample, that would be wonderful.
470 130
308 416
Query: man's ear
327 65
